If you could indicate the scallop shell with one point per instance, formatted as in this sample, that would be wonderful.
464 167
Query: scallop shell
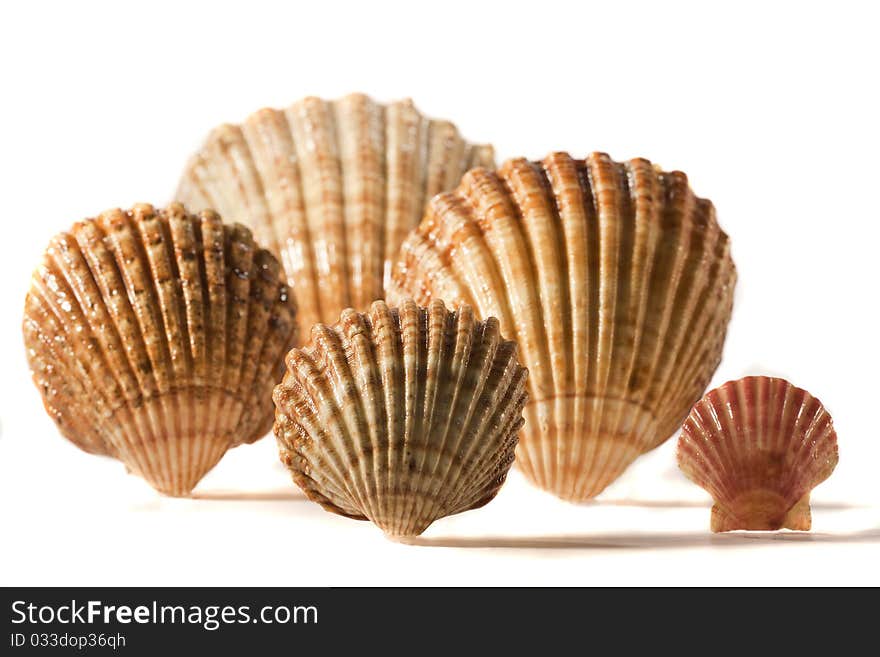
759 446
615 280
401 416
155 337
333 187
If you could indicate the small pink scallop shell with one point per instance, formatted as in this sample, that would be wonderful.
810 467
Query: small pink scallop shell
759 445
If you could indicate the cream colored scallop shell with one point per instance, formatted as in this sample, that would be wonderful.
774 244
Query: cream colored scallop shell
615 280
155 337
333 187
759 445
401 416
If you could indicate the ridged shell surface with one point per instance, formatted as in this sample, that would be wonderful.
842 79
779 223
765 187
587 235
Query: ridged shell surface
156 336
617 283
758 445
332 187
401 416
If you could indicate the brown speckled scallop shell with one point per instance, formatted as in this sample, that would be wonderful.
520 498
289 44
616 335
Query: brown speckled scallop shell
758 445
615 280
332 188
401 416
156 336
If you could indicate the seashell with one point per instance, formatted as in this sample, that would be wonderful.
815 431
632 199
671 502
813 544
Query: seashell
759 446
615 280
332 187
401 416
155 337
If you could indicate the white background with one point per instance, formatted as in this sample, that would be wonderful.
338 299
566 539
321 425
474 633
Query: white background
772 110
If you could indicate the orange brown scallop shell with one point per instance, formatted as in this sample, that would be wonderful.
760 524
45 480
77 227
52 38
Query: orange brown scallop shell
155 337
617 283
